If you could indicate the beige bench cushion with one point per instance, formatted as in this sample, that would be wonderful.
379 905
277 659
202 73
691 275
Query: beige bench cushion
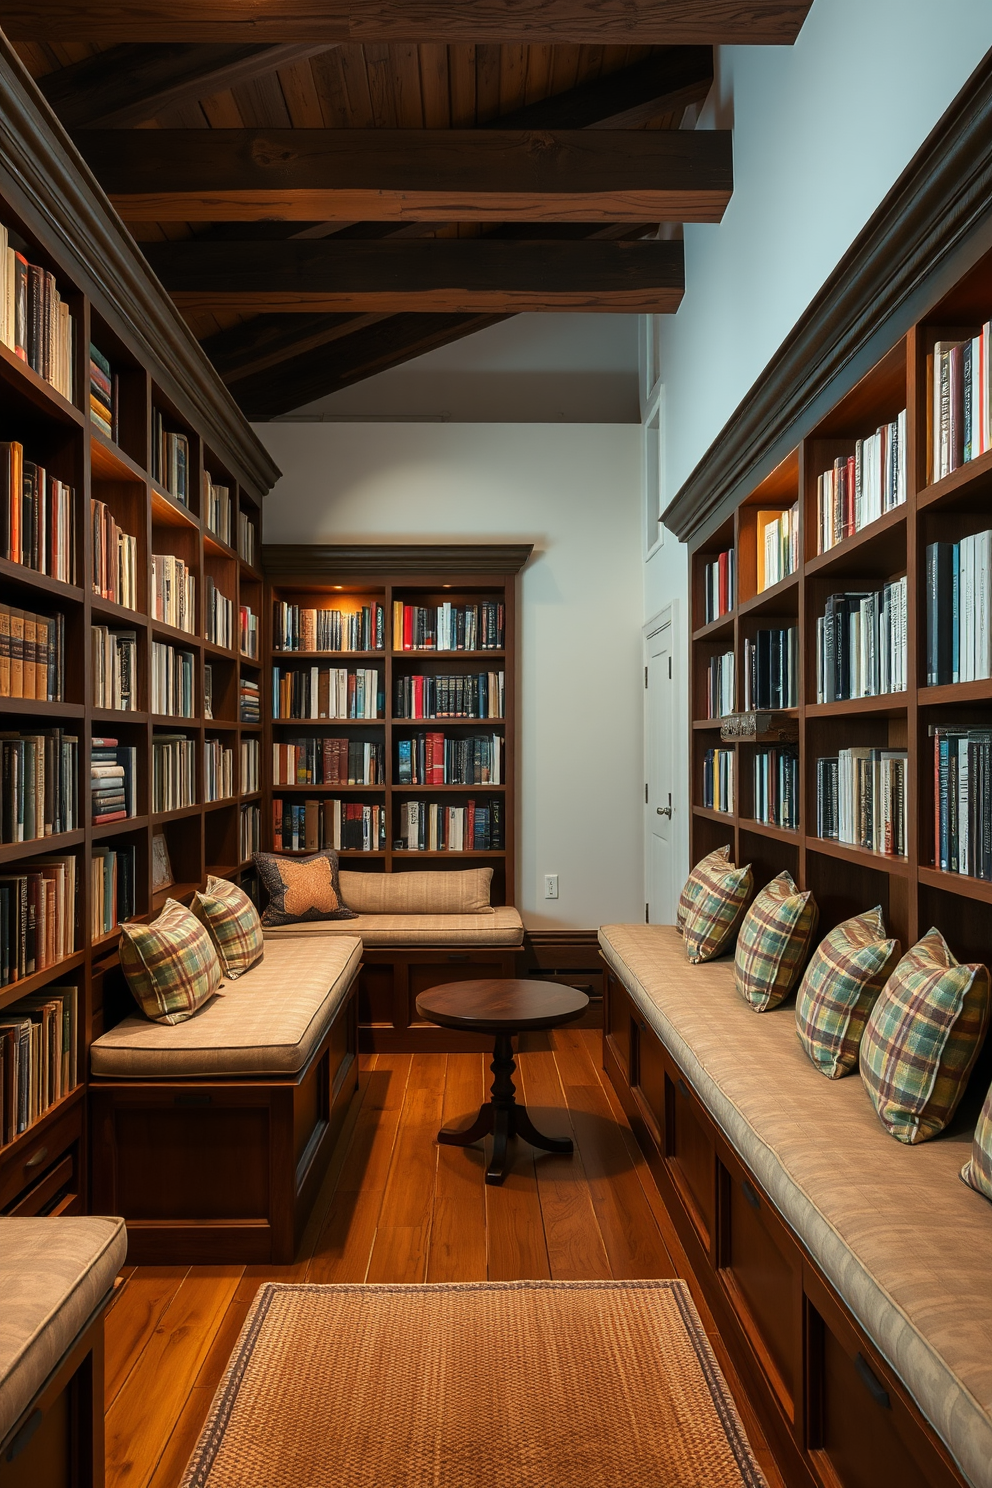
54 1273
434 892
497 927
906 1244
268 1022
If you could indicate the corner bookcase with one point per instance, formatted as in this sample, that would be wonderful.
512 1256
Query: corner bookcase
845 879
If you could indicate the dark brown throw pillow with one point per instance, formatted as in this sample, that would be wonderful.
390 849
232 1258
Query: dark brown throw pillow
302 888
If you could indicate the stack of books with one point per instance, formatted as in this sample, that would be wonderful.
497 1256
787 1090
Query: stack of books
959 610
449 627
218 771
430 826
325 761
246 538
217 508
37 917
326 692
295 628
437 759
170 459
250 831
173 772
776 787
771 669
347 826
173 592
718 780
249 706
115 558
37 516
960 402
39 1053
111 887
251 779
777 546
962 777
478 695
115 668
719 586
860 488
218 616
113 771
720 690
861 799
862 644
103 394
34 319
32 655
247 631
39 796
172 691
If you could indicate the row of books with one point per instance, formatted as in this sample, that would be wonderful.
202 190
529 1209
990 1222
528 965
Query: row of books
37 516
208 689
771 668
476 695
776 546
103 393
247 631
39 1056
249 831
960 375
34 319
861 799
251 776
112 887
173 772
430 826
249 701
962 791
218 771
718 779
776 786
218 616
115 558
862 643
860 488
437 759
38 794
217 508
959 610
173 685
246 538
719 586
32 655
115 668
170 459
720 689
113 780
325 761
37 917
327 692
173 592
296 628
347 826
449 627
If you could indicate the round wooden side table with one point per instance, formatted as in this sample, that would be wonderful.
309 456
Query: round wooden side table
502 1008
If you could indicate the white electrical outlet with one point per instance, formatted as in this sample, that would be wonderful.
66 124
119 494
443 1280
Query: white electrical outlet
551 886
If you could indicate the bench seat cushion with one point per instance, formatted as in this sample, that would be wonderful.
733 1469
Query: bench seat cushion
268 1022
906 1244
495 927
54 1273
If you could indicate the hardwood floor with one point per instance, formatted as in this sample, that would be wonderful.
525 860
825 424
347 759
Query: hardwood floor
397 1207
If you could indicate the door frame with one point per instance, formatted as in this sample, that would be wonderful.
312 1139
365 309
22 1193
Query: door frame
670 616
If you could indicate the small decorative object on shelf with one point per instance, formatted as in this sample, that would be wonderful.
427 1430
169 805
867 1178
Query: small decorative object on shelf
162 875
760 727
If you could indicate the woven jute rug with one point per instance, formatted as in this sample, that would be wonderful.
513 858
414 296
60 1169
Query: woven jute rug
528 1384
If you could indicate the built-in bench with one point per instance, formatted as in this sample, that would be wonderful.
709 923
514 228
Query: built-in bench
211 1137
849 1273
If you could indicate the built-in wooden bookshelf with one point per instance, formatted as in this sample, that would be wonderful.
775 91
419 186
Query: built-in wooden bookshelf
347 578
846 878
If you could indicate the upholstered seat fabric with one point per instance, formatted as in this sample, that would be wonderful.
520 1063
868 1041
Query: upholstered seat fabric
54 1273
907 1245
268 1022
496 927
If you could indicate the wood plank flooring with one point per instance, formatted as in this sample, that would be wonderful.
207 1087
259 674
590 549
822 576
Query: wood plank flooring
397 1207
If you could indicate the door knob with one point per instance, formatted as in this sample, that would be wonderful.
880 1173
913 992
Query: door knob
664 810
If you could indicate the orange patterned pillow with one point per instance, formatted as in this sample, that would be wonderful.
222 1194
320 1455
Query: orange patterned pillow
302 888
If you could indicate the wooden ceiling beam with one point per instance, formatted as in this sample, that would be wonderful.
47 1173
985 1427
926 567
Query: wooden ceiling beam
129 84
542 22
463 175
663 83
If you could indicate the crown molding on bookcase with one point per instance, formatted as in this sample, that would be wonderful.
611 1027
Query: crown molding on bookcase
936 218
284 562
53 191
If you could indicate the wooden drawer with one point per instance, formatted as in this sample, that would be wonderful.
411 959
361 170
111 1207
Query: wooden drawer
648 1067
690 1153
39 1151
618 1016
55 1193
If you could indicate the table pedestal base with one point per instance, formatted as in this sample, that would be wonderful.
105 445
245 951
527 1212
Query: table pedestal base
502 1117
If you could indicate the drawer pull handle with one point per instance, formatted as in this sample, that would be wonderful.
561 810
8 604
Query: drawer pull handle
193 1100
683 1089
871 1382
36 1159
458 955
751 1194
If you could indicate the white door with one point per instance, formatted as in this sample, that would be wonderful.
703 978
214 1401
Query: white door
660 805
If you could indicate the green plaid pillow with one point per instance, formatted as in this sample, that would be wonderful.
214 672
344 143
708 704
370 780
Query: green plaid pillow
848 970
233 923
171 965
977 1171
716 912
922 1037
773 942
696 884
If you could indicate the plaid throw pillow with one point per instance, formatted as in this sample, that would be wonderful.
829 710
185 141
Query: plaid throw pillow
698 880
301 888
977 1171
716 912
922 1037
773 942
171 965
848 970
233 923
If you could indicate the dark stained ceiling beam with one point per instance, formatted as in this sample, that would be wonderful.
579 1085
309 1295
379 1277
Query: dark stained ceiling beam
267 340
127 85
666 81
544 22
463 175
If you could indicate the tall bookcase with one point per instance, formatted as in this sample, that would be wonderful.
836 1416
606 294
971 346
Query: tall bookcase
347 577
845 879
62 223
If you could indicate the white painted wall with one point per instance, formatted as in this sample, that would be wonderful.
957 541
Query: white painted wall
575 493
